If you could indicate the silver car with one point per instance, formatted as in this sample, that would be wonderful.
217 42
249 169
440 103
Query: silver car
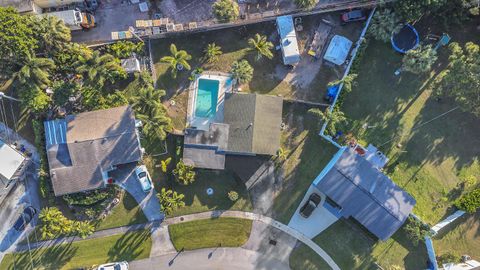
114 266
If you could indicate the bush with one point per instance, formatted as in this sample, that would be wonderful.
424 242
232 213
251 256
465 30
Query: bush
306 3
242 71
233 195
384 23
45 187
416 230
448 258
469 202
125 49
91 197
226 10
183 173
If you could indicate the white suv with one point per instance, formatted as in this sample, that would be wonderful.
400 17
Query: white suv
144 178
114 266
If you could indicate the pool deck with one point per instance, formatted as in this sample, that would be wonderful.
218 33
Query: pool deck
225 86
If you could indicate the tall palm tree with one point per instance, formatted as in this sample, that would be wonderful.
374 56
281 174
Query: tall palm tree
147 100
53 33
260 44
170 200
177 60
35 72
212 52
97 69
157 124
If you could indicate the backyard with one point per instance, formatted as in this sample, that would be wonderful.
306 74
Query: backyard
85 253
269 77
225 232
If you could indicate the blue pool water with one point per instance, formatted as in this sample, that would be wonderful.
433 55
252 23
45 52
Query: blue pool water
207 97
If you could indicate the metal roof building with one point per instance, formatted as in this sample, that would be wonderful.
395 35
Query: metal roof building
83 148
288 40
365 193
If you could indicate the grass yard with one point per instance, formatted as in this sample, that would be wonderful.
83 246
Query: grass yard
350 248
307 155
229 232
431 161
128 247
127 212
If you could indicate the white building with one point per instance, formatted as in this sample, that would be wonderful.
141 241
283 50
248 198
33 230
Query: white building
288 40
338 49
35 6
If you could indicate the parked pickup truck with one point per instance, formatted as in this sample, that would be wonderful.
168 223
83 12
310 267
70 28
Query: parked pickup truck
74 19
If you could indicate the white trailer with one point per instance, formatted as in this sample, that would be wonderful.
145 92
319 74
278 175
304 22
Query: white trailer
74 19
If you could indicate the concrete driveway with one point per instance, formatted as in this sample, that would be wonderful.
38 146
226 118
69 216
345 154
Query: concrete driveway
111 15
211 259
126 179
318 221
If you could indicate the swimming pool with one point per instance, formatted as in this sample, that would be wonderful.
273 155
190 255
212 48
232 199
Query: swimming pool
207 98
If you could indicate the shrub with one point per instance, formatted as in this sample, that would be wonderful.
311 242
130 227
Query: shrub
91 197
233 195
44 178
125 49
384 23
226 10
448 258
419 60
242 71
306 3
469 202
416 230
183 173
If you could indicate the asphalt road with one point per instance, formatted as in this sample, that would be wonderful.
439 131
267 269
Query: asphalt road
211 259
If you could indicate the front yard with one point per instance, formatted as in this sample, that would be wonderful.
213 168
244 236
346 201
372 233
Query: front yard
85 253
218 232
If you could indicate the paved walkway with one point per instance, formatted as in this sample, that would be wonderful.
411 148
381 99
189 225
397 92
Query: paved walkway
204 215
209 259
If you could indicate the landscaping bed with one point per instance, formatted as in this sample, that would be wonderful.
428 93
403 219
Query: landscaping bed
85 253
224 232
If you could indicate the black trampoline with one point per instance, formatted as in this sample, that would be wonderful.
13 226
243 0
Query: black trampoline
406 39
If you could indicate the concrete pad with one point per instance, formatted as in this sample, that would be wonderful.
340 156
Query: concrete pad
161 243
318 221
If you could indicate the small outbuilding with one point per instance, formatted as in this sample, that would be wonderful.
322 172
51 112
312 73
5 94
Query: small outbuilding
131 64
338 49
288 40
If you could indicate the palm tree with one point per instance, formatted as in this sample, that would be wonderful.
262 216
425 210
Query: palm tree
157 124
54 223
212 52
83 228
147 100
35 72
170 200
262 46
177 60
53 33
97 68
333 117
183 173
242 71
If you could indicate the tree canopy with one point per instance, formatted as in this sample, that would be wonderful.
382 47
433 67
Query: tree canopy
242 71
461 79
261 46
419 60
226 10
177 59
384 23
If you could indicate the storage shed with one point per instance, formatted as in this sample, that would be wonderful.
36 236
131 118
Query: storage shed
338 49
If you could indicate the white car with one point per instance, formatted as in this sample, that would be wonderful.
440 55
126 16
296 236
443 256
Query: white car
144 178
114 266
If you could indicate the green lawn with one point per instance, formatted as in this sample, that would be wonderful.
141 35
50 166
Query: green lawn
350 248
308 154
197 200
227 232
129 246
127 212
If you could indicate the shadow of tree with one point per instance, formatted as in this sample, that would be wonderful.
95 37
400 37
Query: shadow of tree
127 248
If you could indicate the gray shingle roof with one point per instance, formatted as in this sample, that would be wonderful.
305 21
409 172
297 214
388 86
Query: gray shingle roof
254 122
95 141
367 195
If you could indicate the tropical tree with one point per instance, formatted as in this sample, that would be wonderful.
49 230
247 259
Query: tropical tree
461 79
334 118
97 69
54 223
177 60
183 173
469 202
226 10
68 56
306 4
212 52
412 10
419 60
34 99
52 33
156 125
170 200
260 44
348 82
242 71
125 49
17 40
35 72
165 163
416 230
83 228
384 23
147 100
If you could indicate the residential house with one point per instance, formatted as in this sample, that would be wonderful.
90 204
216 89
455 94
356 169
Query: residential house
12 166
83 149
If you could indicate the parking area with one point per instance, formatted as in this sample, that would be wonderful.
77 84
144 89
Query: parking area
111 16
318 221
